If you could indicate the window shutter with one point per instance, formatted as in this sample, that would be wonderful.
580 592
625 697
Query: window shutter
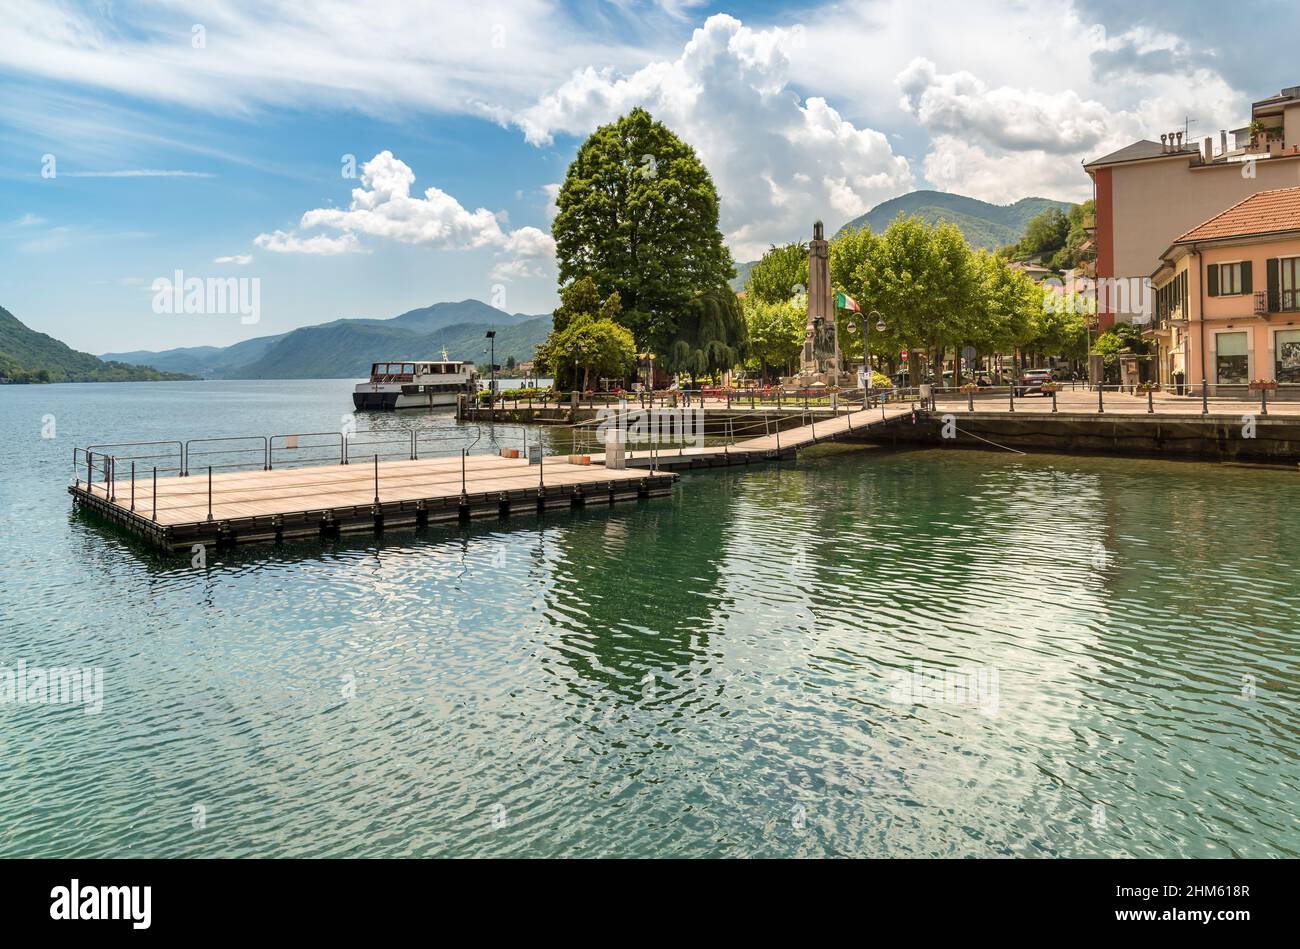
1247 277
1274 287
1212 276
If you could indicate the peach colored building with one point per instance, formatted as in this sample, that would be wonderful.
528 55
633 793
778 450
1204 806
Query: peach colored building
1149 192
1227 309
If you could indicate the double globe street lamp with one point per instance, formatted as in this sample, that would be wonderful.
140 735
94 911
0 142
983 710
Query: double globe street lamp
866 350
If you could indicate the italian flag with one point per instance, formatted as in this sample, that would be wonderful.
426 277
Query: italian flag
845 302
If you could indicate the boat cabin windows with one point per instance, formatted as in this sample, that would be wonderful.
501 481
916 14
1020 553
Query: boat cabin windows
407 371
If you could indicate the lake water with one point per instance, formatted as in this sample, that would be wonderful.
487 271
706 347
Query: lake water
862 653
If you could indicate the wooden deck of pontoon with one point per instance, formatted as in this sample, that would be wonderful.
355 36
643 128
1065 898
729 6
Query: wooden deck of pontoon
240 506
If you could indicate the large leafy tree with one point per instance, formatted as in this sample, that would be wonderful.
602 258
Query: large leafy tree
638 214
781 275
588 347
710 335
775 332
923 279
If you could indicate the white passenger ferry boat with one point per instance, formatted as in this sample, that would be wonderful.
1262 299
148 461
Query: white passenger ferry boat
416 384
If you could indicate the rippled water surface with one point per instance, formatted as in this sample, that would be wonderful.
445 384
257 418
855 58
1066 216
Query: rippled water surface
726 672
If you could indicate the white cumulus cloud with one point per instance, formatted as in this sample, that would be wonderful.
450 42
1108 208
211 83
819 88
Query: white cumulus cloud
779 160
383 207
283 242
1004 143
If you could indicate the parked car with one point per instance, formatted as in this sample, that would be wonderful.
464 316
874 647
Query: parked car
1031 382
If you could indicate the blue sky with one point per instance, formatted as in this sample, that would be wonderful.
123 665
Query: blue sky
210 137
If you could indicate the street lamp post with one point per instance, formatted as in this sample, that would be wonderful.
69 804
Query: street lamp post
866 350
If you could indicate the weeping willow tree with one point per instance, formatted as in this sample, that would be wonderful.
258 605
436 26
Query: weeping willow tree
710 336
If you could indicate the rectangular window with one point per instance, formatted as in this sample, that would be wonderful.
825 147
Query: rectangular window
1286 358
1290 274
1229 280
1231 363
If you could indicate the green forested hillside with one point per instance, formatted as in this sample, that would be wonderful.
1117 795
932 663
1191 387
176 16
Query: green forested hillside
985 225
29 356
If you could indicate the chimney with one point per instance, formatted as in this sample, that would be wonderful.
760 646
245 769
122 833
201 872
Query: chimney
1223 141
1164 143
1180 141
1208 149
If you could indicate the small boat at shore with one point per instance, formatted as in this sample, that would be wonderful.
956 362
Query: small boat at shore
415 384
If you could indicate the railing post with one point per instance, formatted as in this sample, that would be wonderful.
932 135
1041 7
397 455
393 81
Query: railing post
1101 396
155 493
1012 397
112 467
1205 397
1151 404
133 486
376 478
463 453
209 492
1263 401
1053 400
90 481
970 402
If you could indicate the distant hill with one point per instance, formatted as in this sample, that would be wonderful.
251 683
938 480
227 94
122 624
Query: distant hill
742 274
29 356
344 349
985 225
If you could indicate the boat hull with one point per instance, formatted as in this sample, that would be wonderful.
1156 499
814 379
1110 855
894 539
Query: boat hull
387 400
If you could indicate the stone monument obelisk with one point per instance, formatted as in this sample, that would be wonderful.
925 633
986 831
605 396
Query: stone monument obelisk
821 343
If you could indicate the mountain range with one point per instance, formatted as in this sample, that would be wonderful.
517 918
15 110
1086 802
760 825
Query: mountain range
344 349
985 225
29 356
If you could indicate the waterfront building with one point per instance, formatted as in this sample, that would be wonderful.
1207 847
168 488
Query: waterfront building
1227 297
1149 192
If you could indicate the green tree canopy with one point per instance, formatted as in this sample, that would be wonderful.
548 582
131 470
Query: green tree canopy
1122 339
591 347
775 332
638 214
710 335
581 298
781 274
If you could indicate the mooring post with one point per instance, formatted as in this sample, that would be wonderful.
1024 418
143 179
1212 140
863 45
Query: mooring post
209 492
970 402
1263 401
1205 397
1053 400
1012 397
1151 405
1101 392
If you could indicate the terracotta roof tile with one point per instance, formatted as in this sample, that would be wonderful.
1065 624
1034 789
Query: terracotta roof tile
1267 212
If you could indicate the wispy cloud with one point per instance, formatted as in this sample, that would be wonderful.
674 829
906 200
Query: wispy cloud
136 173
239 259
